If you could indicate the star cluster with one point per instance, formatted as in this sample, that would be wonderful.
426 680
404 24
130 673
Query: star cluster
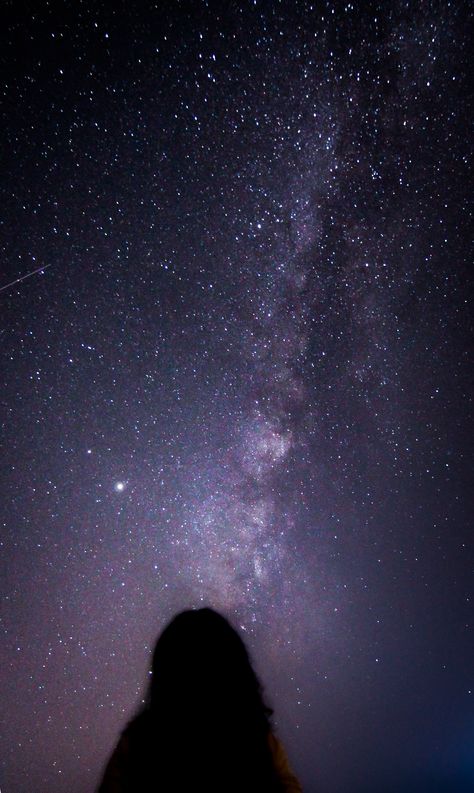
237 373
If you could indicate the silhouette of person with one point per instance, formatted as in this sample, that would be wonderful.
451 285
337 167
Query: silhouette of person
204 725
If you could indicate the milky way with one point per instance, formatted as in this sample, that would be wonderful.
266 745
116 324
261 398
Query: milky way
238 376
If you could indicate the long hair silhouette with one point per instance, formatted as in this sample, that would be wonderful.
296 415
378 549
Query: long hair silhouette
204 724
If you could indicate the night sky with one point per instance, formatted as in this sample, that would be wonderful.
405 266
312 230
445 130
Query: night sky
242 378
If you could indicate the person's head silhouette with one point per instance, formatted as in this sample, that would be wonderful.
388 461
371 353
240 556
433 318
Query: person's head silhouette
204 724
201 668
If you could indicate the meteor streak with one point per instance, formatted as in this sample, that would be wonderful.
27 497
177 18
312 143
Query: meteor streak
22 278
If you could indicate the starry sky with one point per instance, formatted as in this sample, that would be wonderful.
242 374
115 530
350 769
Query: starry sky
238 374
